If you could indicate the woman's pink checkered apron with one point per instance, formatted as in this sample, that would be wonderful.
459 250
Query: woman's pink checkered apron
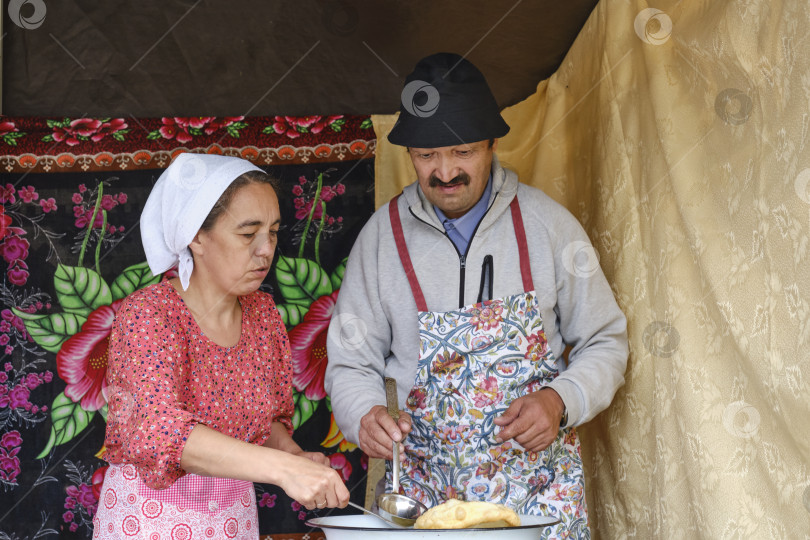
193 507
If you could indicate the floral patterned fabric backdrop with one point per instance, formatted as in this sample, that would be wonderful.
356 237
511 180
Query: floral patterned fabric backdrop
72 191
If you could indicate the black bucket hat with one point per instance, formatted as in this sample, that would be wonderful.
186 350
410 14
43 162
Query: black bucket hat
446 101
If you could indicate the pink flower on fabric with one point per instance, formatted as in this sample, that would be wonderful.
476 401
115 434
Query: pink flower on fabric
487 393
175 128
453 434
267 500
222 123
108 128
5 221
7 127
18 274
342 465
487 317
18 397
81 127
538 346
327 194
9 468
48 205
7 194
82 360
11 439
107 202
27 194
417 399
32 380
308 345
14 248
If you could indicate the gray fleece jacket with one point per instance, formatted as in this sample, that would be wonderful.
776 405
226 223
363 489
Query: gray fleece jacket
374 331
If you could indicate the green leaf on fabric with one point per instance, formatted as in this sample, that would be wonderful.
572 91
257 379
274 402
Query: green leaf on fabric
153 135
68 420
269 130
366 124
50 331
301 281
131 279
48 138
337 125
337 276
80 290
291 314
304 409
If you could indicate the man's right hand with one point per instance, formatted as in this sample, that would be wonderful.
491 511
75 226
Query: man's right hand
378 431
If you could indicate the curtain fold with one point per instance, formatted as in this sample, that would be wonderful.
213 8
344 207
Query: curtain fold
677 134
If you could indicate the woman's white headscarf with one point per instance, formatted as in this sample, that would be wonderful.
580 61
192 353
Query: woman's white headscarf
179 203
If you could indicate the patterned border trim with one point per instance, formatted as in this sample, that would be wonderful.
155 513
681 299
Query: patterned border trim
147 159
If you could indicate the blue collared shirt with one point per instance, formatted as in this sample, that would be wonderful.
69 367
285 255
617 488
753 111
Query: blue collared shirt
461 229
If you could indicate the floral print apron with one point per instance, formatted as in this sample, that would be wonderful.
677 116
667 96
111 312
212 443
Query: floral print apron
473 362
193 507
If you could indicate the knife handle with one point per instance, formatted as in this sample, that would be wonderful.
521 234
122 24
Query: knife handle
391 397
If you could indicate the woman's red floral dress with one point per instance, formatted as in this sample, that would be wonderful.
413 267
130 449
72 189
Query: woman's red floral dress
164 377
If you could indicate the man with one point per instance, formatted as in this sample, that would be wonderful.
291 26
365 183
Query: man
467 289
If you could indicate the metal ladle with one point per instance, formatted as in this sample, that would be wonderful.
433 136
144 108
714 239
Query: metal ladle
395 507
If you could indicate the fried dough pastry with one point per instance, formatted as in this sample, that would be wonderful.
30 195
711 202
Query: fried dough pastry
455 514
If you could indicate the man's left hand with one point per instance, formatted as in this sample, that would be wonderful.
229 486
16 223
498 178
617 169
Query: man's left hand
532 420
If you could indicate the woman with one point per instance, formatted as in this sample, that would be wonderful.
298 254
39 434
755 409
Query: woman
199 376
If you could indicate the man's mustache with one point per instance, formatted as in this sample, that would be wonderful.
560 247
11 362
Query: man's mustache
462 178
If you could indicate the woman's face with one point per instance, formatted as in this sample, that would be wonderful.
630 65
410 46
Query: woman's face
234 256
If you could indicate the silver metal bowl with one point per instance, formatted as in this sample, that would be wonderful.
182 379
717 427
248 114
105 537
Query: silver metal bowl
364 527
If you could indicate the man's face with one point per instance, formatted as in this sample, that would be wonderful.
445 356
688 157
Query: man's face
453 178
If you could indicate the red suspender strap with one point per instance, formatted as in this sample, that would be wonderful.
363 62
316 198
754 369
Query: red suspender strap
523 247
404 257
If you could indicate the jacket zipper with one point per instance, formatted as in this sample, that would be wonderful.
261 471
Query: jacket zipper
462 257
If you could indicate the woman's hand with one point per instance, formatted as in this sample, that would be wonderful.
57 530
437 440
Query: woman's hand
308 479
317 457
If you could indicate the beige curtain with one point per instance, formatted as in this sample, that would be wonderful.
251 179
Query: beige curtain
679 135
